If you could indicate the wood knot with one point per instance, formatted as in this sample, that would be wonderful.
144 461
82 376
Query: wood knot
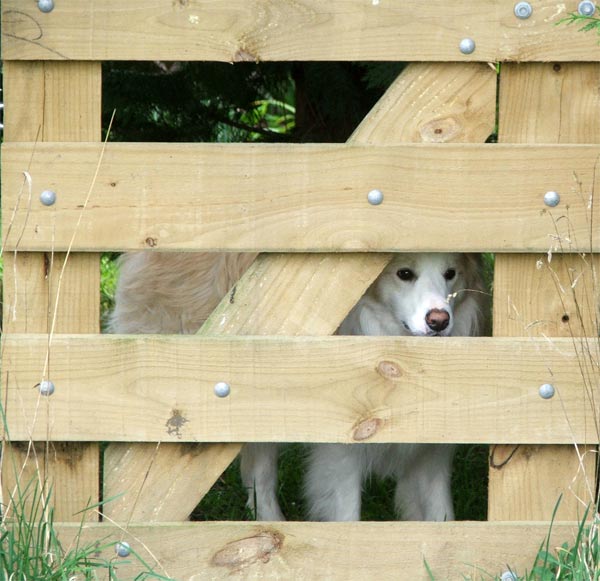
389 370
440 130
367 429
245 552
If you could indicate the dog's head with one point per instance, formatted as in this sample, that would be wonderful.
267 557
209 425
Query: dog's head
432 294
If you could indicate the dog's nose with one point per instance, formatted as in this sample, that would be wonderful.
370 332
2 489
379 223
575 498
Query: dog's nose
437 319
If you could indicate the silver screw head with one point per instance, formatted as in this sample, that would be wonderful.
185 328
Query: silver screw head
222 389
46 5
375 197
586 8
523 10
551 199
46 387
546 391
467 45
48 197
122 549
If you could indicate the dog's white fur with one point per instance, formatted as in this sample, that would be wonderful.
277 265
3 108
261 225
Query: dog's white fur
174 293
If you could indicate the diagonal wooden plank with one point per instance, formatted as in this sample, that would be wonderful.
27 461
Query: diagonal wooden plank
422 104
546 295
52 102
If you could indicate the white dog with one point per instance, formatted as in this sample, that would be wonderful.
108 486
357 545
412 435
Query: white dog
416 294
433 295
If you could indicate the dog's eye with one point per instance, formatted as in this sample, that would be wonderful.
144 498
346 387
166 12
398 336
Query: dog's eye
450 274
405 274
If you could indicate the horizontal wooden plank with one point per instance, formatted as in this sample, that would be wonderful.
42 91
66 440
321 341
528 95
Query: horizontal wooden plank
461 197
330 389
263 30
336 551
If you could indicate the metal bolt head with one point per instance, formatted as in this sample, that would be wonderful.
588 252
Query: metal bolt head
46 387
551 199
546 391
523 10
48 197
122 549
586 8
467 45
375 197
222 389
46 5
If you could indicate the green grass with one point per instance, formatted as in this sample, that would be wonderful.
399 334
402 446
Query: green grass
30 548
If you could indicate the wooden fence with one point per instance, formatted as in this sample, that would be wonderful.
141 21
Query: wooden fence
445 190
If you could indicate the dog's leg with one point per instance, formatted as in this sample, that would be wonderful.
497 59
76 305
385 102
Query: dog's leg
259 476
334 482
423 492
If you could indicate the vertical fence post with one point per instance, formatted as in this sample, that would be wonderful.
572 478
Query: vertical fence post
544 103
52 101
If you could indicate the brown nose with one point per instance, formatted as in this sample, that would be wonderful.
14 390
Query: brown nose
437 319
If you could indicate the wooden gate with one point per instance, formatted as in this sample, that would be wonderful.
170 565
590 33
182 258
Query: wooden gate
444 190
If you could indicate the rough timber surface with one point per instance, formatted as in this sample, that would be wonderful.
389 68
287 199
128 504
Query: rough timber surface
546 295
236 197
334 551
283 389
264 30
459 106
52 101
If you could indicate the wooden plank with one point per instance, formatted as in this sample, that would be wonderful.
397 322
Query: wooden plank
538 298
52 102
433 103
236 197
314 307
546 296
41 292
462 97
334 389
262 31
294 550
137 488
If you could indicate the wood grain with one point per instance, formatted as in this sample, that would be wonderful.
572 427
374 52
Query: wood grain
262 31
235 197
337 551
160 388
304 294
52 101
548 295
315 305
144 482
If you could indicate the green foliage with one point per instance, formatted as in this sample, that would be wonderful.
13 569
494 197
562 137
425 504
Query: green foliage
588 22
108 283
189 102
219 102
